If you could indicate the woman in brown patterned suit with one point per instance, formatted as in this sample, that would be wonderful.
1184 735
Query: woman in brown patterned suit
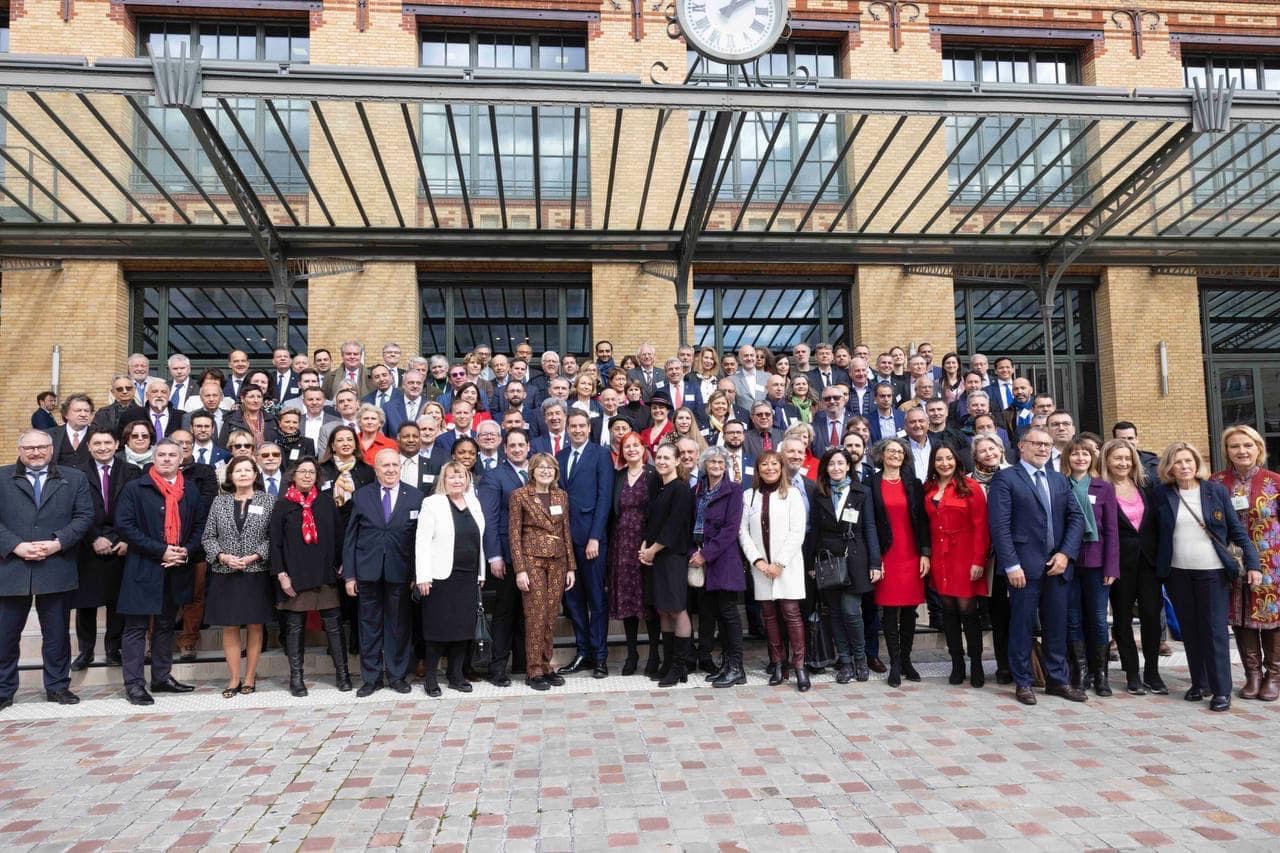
543 559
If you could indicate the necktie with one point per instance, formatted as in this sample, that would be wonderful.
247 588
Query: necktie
488 464
106 488
676 398
766 440
159 427
826 379
524 477
1008 395
36 487
835 437
74 438
1042 490
204 456
175 399
382 399
386 503
573 463
555 440
272 488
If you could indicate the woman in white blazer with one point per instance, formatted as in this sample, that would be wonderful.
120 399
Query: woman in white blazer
772 505
449 567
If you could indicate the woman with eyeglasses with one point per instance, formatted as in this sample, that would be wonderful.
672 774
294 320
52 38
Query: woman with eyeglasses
241 587
139 441
240 443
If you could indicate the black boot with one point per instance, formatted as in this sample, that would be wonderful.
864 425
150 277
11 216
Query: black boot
632 626
907 641
654 664
682 648
775 674
1076 663
892 642
972 625
293 650
337 651
1099 677
668 656
719 670
955 646
733 673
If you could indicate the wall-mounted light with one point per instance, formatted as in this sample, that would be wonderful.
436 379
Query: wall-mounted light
56 368
1163 351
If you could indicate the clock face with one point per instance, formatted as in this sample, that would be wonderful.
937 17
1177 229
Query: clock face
731 30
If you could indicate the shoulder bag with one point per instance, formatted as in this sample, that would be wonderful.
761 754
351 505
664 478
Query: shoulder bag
482 643
1235 551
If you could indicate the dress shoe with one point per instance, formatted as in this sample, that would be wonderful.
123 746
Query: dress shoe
420 670
114 659
6 702
860 671
187 656
1025 695
170 685
876 665
538 683
555 679
1155 684
578 664
368 689
139 697
1004 676
721 670
601 670
401 686
1220 703
460 686
802 680
1066 691
733 676
62 697
1194 694
431 687
82 661
845 674
500 679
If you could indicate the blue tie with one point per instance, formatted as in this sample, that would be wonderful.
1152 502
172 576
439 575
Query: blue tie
36 488
204 456
1042 492
386 504
272 488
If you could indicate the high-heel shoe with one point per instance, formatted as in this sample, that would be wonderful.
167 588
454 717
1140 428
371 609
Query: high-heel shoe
631 663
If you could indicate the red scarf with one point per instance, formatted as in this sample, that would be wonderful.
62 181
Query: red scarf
309 533
172 497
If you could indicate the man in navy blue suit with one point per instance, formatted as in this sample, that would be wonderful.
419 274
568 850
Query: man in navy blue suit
834 414
1036 552
494 493
685 391
885 416
377 563
587 475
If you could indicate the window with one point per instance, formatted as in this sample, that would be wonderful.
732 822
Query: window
793 60
1000 321
205 316
1246 149
516 51
988 65
1241 324
460 311
1242 321
280 43
766 311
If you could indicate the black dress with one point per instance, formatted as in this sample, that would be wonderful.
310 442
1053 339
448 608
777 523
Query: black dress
240 598
670 521
449 612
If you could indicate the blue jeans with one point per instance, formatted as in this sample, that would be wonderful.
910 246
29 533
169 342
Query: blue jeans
1087 611
845 608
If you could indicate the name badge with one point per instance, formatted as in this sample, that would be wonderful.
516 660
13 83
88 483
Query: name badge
326 487
1239 502
557 510
593 414
293 454
901 433
659 385
1093 499
256 510
428 478
849 516
748 471
413 515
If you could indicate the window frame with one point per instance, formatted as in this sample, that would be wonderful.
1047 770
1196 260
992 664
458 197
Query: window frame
716 284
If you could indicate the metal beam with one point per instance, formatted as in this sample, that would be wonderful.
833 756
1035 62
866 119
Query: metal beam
699 204
1251 272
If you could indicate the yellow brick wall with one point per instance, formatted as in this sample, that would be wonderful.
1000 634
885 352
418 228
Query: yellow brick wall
891 307
84 309
1136 311
374 306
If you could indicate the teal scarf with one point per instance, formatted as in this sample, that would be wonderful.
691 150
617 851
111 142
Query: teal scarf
1081 488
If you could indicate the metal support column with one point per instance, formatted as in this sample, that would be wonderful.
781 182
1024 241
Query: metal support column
699 204
178 82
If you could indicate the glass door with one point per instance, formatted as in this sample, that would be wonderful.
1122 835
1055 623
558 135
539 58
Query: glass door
1245 394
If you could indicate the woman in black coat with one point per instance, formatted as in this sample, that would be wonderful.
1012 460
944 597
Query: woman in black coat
341 474
664 556
841 520
306 549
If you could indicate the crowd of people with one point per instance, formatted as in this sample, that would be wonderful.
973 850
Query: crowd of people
812 497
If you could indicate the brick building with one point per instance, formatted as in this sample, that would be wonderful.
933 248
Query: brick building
1179 350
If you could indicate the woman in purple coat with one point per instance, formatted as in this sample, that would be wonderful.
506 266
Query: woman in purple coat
717 515
1097 567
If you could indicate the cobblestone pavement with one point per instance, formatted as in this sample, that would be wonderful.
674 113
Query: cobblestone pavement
618 764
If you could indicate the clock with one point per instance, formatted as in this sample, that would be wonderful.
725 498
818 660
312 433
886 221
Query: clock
733 31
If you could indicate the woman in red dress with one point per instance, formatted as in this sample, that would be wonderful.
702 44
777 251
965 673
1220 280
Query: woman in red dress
903 530
957 509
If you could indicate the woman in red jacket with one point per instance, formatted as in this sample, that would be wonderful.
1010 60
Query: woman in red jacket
957 509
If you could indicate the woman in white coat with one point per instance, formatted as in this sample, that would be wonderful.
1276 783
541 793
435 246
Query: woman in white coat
449 565
771 534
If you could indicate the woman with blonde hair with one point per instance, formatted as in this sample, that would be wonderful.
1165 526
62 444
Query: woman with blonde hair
1197 521
684 424
370 420
1254 608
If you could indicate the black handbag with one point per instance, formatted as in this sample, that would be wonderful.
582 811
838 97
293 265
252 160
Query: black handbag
482 643
831 571
819 646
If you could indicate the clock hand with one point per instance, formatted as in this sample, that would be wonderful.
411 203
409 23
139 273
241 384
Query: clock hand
733 6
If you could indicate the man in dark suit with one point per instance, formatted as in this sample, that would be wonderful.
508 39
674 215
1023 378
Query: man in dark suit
42 417
377 566
958 411
1001 391
1017 417
415 469
587 476
828 424
825 373
238 364
162 417
284 382
741 460
70 445
45 510
383 391
785 415
494 494
936 414
685 392
762 435
434 451
1036 552
160 515
884 373
885 421
406 403
647 374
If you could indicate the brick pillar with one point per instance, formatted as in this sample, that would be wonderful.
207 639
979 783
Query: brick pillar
84 309
373 307
1136 311
630 308
891 307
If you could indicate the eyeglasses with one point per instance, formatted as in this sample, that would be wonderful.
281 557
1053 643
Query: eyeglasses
122 388
35 448
241 446
831 399
1040 444
269 455
457 375
140 435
